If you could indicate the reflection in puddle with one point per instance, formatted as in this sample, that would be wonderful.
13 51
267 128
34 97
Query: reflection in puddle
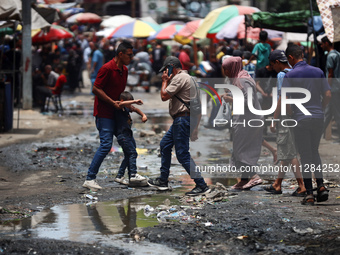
104 222
108 223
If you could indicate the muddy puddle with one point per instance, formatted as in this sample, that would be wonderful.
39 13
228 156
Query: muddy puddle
105 223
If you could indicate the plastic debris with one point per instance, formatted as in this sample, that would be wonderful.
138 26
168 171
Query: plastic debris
163 216
90 197
208 224
303 231
148 208
143 167
242 237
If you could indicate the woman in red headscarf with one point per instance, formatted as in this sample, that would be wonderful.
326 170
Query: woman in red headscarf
247 140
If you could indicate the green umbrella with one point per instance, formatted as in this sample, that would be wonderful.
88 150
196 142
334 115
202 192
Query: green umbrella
6 31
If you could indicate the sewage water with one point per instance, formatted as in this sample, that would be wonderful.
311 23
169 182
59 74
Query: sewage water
107 223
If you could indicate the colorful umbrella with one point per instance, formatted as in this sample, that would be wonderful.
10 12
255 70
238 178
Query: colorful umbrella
235 28
190 28
184 36
216 19
166 33
116 21
86 17
55 33
173 22
136 29
72 11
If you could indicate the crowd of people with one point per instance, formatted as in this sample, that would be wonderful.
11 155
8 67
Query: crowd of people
257 67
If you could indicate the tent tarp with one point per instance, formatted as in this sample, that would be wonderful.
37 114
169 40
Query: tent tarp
295 21
9 10
49 14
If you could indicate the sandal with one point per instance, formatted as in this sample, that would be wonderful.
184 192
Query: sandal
271 189
322 195
238 186
308 200
255 180
297 194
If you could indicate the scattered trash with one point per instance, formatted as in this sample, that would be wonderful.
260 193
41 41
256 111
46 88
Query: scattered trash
148 210
90 197
242 237
91 203
303 231
143 167
208 224
164 216
167 202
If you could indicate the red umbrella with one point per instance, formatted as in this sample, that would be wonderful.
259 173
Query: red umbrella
55 33
86 17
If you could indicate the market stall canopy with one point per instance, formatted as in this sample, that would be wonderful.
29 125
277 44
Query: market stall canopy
330 14
9 10
49 14
296 21
216 19
38 22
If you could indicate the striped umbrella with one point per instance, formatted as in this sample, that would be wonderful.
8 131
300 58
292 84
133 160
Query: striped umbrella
216 19
136 29
184 36
166 33
235 28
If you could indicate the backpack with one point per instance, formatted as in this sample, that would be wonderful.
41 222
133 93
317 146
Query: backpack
194 106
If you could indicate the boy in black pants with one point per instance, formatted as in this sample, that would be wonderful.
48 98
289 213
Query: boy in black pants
125 139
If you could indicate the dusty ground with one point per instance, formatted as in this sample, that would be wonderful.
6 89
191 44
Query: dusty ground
250 222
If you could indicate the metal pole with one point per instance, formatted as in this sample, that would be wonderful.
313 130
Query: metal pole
27 54
314 34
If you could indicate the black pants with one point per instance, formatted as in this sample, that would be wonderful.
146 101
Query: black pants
308 133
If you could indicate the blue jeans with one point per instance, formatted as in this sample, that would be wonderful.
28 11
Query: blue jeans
128 144
106 128
308 133
178 135
92 82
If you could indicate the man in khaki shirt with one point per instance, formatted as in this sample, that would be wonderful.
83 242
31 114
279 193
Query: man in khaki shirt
176 84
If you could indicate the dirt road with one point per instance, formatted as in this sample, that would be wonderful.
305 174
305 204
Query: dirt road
47 168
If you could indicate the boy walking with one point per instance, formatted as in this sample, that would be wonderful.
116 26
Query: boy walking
125 139
286 148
